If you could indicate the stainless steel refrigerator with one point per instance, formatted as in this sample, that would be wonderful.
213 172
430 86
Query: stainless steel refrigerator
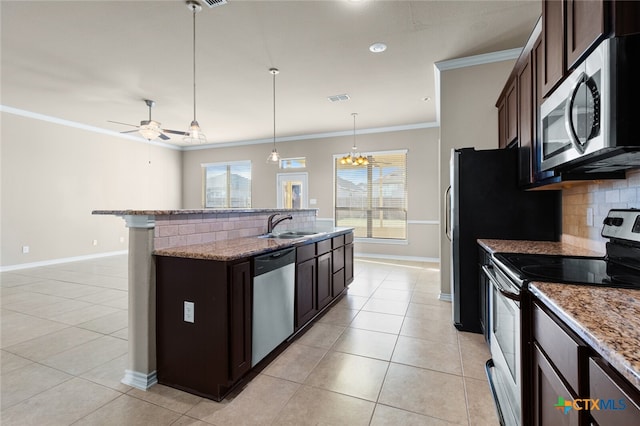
485 202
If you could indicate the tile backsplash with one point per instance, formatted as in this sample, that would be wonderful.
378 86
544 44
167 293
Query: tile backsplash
593 200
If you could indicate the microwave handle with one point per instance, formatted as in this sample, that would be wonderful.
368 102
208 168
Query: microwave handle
568 116
494 282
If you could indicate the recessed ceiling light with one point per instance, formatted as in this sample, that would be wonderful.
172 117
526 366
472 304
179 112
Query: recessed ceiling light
378 47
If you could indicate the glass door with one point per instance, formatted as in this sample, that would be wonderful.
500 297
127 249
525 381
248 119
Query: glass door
292 192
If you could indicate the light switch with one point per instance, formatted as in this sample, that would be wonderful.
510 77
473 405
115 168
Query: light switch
189 311
313 201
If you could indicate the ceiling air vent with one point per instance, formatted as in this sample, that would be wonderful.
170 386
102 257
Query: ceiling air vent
339 98
214 3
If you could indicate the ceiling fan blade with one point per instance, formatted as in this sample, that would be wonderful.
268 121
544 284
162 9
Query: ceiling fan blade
163 137
175 132
124 124
130 131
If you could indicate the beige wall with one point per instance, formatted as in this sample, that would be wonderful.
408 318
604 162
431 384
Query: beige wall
422 178
54 175
468 118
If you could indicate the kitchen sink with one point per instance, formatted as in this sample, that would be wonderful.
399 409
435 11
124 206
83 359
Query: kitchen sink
290 234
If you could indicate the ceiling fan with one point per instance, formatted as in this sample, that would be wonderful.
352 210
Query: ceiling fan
150 129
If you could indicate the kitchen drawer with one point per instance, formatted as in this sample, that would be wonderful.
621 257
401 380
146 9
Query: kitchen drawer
338 259
304 253
619 402
337 241
348 238
559 346
323 246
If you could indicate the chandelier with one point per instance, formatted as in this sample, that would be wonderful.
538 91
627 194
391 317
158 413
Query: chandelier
354 158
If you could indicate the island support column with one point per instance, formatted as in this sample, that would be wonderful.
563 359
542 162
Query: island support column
141 364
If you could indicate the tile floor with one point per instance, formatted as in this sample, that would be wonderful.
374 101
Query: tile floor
386 354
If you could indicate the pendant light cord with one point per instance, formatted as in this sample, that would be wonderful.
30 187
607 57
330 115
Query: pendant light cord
274 109
194 63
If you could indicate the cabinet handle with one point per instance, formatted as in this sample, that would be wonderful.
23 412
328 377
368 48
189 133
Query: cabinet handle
447 213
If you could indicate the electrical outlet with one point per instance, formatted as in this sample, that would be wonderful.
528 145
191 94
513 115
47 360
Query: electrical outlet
122 239
589 217
25 249
313 201
189 311
95 242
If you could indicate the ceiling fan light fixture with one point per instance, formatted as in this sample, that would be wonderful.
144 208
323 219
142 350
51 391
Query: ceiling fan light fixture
150 130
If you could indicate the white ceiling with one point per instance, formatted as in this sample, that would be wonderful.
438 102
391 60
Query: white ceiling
93 61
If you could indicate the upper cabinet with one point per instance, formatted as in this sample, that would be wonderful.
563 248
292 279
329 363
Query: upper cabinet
553 62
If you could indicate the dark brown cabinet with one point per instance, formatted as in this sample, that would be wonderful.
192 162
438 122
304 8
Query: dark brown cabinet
619 402
508 114
553 45
325 275
585 22
306 305
525 118
348 264
208 354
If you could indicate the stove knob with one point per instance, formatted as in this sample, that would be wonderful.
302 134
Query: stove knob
613 221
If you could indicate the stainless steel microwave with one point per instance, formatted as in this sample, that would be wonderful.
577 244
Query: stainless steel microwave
591 122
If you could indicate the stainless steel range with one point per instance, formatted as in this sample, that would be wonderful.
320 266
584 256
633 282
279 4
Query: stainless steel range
509 274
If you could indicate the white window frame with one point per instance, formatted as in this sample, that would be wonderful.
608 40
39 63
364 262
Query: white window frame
204 167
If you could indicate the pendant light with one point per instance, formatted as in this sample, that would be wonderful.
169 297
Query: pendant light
274 157
354 158
194 133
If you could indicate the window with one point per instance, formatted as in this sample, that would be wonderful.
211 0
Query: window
227 185
373 198
293 163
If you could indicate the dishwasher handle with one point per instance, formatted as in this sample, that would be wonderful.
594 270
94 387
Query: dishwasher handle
272 261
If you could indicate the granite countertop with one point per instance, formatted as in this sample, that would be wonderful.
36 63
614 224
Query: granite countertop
608 319
239 248
191 211
535 247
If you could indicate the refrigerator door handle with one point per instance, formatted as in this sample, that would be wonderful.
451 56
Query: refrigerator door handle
447 219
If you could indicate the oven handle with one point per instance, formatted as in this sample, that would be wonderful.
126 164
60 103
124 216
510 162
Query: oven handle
487 368
494 282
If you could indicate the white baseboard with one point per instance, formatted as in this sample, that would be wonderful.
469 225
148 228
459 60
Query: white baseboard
61 260
445 297
140 380
394 257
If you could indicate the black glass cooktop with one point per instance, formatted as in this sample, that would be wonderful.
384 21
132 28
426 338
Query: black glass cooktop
570 269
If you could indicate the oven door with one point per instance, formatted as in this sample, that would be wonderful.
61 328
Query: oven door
505 345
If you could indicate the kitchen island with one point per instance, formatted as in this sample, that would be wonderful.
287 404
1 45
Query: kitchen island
151 230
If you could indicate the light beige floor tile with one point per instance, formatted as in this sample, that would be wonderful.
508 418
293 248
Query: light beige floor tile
397 284
121 334
311 406
367 343
321 335
432 312
53 310
27 301
362 289
480 402
474 353
10 362
119 303
258 404
86 314
164 396
389 416
206 408
428 298
60 405
17 328
108 323
351 301
126 410
438 331
109 374
87 356
64 289
11 279
389 294
375 321
295 363
432 393
28 381
103 296
189 421
386 306
436 356
349 374
51 344
338 316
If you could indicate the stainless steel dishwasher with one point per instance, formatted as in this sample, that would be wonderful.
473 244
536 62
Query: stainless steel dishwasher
273 296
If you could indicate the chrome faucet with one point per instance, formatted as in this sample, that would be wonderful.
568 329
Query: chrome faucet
271 224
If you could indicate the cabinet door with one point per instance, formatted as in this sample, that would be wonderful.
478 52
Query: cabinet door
338 282
548 389
525 127
619 401
325 274
338 259
240 320
512 112
502 123
552 44
348 264
585 26
305 291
